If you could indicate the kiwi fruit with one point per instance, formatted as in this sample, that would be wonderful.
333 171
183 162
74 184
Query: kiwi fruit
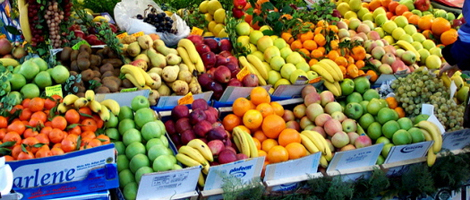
113 61
96 73
117 80
117 72
73 73
83 54
106 50
83 64
113 87
74 55
65 54
81 88
100 53
112 78
87 75
106 67
74 66
85 48
95 60
127 84
94 68
81 94
106 74
102 89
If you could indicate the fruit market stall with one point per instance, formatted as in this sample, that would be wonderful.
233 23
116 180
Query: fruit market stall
218 99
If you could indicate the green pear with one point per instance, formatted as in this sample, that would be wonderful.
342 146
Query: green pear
287 70
273 77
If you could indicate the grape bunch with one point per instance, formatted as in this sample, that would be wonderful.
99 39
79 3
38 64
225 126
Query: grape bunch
34 13
54 16
422 87
161 21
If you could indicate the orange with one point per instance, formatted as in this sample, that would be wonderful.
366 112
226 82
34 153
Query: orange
287 37
360 64
273 125
25 155
15 151
322 49
385 3
310 45
72 116
425 23
297 44
304 53
277 154
296 150
25 114
341 61
265 109
319 39
241 105
400 9
231 121
278 108
69 144
88 134
84 111
373 75
392 102
57 151
334 44
427 34
267 144
449 37
262 153
56 135
257 143
316 54
43 152
3 122
49 103
36 104
25 102
306 36
374 4
288 136
414 19
322 23
392 6
312 62
29 133
75 130
360 72
104 139
43 138
46 130
89 125
352 71
400 111
440 25
358 53
333 28
12 137
259 135
244 128
252 119
259 95
17 127
8 158
332 55
30 144
407 14
42 116
59 122
2 133
318 30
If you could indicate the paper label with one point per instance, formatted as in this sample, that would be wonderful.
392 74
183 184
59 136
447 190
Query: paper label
293 168
429 110
311 2
56 89
187 99
242 73
196 31
172 101
351 159
122 35
452 88
129 89
408 152
288 90
231 93
315 80
169 183
456 139
138 34
245 170
77 46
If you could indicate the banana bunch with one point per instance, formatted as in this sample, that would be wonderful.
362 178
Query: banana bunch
254 69
190 56
138 77
315 142
244 142
104 109
24 20
331 74
407 46
458 80
195 153
431 132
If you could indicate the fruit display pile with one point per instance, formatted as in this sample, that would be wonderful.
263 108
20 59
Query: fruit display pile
361 71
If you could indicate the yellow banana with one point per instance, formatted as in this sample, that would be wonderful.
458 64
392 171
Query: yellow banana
61 108
148 80
458 80
104 114
134 71
186 160
80 102
427 135
323 72
407 46
202 147
243 141
434 132
251 69
251 143
327 152
69 99
95 106
330 70
9 62
445 79
334 66
201 181
185 57
323 162
90 95
237 141
24 20
256 62
333 87
194 154
309 144
205 169
191 49
315 140
431 159
133 81
112 105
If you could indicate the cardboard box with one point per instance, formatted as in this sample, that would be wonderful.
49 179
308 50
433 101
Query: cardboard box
74 173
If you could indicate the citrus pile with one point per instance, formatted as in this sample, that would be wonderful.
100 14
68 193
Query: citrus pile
36 130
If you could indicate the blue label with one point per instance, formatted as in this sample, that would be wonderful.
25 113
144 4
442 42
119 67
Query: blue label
410 149
239 172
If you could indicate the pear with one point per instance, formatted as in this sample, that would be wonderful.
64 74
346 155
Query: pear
156 59
133 49
153 97
170 73
173 59
157 80
185 75
180 87
145 41
143 57
156 70
160 46
164 90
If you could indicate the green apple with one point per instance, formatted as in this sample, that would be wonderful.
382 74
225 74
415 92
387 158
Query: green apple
417 45
362 11
410 29
287 69
60 74
312 75
286 51
303 66
440 13
368 16
29 69
401 137
243 28
17 81
294 58
151 130
280 43
139 102
350 15
379 10
264 42
273 77
271 52
405 123
407 38
347 86
380 31
354 97
43 79
144 115
423 53
353 110
366 120
163 163
355 5
277 62
125 113
433 62
381 19
389 26
386 149
364 105
30 91
296 75
361 84
15 97
354 23
281 81
397 33
462 93
428 44
436 51
401 21
450 16
370 94
374 106
255 36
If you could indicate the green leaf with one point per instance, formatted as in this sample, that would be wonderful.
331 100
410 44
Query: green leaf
86 115
267 6
8 144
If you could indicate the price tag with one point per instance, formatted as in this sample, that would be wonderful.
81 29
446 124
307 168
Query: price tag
129 89
196 31
456 140
362 157
56 89
138 34
242 73
168 183
315 80
77 46
231 93
187 99
245 170
2 36
122 35
408 152
293 168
